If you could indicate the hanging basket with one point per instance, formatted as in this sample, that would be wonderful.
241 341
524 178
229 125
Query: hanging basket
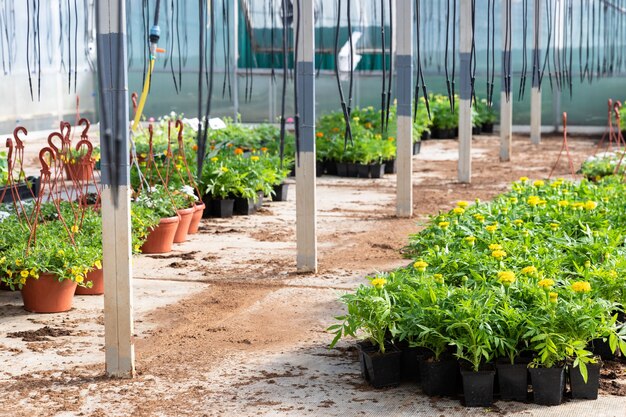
79 171
195 219
97 278
48 295
161 237
186 216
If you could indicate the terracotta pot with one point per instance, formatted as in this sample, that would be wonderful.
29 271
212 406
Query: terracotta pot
79 172
47 294
195 219
97 278
161 237
186 216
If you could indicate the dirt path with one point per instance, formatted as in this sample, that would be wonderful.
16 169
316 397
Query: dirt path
252 342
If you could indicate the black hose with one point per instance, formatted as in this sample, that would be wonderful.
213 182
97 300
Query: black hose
522 85
295 81
284 88
201 51
69 52
453 55
384 64
448 85
30 80
171 46
420 72
390 83
202 145
39 52
75 44
344 108
351 73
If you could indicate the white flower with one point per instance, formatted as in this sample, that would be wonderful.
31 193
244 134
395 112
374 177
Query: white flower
187 189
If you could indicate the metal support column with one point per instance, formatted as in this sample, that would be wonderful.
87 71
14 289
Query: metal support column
506 101
116 232
465 105
306 220
535 95
404 88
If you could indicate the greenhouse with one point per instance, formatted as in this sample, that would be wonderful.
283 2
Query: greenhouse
313 208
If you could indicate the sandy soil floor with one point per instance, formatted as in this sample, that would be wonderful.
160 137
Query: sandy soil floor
226 327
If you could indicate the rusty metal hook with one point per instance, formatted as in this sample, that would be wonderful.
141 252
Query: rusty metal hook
45 168
51 143
179 126
89 146
85 132
134 97
18 142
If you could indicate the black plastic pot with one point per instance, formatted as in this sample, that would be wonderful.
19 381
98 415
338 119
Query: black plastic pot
363 170
417 146
410 362
218 208
280 192
443 133
23 190
352 170
390 166
548 385
377 170
580 389
476 130
425 135
342 169
487 127
478 387
439 377
380 369
244 206
319 168
513 381
601 348
330 167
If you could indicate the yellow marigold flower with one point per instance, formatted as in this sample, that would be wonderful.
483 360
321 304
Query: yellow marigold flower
444 225
498 254
518 222
336 129
538 183
74 228
98 264
553 297
379 283
264 149
391 138
556 184
178 166
254 158
438 278
554 226
215 159
79 278
581 286
458 210
368 125
513 200
194 148
471 240
224 169
495 246
238 151
546 283
356 119
577 205
24 273
529 270
3 260
506 277
420 265
319 134
491 228
534 200
523 179
462 204
479 217
563 203
143 155
18 262
590 205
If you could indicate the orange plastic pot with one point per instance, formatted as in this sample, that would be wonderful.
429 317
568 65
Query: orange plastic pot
79 171
186 216
161 237
97 278
195 219
47 294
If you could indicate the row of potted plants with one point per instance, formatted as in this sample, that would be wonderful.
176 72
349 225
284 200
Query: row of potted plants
532 280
